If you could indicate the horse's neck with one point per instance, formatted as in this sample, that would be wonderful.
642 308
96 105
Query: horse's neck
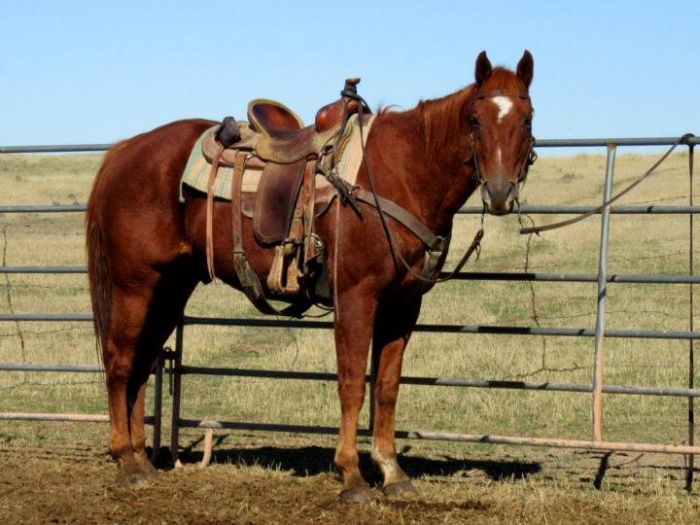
421 164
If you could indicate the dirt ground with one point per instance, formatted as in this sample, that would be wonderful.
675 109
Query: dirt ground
290 480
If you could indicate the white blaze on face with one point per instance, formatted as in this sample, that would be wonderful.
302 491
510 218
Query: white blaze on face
504 105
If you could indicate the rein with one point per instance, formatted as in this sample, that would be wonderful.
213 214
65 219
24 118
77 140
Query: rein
684 139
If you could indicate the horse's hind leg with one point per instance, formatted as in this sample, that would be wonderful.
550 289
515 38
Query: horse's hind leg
129 308
392 328
166 307
142 319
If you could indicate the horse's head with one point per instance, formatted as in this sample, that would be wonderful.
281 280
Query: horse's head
500 123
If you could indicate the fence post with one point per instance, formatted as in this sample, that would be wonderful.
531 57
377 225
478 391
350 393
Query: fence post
374 366
176 378
158 406
598 365
691 349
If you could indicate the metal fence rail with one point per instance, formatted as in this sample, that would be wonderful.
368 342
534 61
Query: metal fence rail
597 387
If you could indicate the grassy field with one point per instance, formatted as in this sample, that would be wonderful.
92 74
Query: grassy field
639 244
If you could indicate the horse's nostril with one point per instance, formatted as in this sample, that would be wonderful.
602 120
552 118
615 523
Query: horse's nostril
499 199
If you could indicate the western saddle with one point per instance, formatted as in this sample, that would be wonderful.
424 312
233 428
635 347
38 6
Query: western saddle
275 141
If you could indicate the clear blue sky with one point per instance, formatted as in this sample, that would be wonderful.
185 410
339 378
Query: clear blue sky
91 71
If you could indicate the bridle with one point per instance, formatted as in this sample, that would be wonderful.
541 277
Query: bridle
435 254
528 160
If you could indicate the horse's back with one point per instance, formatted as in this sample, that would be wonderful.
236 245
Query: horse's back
134 203
149 163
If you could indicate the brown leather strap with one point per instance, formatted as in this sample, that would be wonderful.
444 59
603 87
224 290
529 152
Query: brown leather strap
236 202
308 213
250 284
210 211
410 221
436 245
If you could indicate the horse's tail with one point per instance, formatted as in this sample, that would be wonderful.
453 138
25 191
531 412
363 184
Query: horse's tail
98 275
98 266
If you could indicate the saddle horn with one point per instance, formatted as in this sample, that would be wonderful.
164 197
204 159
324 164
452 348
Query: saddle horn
229 133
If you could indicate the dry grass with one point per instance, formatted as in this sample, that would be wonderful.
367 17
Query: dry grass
639 244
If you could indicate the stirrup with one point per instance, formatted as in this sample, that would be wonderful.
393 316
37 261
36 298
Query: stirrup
283 278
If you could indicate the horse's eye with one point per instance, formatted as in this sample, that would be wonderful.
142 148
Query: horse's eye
474 123
527 122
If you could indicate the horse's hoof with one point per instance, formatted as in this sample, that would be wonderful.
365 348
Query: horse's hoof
356 495
131 478
131 473
147 468
400 489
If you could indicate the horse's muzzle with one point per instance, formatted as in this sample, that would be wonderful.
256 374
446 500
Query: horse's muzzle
499 196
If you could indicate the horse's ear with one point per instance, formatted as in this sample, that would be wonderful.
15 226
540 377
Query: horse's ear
483 68
526 68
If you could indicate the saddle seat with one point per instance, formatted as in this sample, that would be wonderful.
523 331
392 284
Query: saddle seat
273 118
279 121
283 138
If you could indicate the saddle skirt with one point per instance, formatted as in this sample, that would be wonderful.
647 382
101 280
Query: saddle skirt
198 167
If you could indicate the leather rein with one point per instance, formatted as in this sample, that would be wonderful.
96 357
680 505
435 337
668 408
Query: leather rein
684 139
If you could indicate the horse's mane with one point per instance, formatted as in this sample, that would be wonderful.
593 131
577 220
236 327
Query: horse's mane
442 118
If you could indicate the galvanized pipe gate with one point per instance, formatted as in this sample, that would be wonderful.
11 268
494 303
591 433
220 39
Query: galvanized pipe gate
597 387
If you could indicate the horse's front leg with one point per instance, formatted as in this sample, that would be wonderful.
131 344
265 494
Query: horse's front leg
392 328
353 331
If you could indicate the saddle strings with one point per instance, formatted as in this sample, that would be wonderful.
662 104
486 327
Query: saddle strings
210 212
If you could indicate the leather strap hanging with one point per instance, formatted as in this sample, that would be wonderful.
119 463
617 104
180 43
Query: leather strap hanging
210 211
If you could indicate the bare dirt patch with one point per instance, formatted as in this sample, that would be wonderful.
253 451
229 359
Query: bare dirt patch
292 481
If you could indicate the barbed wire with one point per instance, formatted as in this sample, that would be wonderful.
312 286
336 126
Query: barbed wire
47 332
44 233
50 286
8 290
26 383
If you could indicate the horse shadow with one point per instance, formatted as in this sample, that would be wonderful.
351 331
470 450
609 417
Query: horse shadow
306 461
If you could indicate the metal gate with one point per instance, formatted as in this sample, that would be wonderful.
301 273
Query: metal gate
171 361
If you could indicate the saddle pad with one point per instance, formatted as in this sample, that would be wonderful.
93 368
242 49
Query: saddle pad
196 174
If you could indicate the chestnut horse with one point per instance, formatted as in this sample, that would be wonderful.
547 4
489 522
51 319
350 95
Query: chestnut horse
146 251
